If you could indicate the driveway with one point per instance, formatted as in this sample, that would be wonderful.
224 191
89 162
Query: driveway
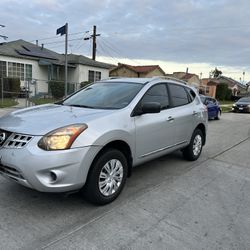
168 203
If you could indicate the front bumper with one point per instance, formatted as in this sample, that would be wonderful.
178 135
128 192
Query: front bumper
241 109
47 171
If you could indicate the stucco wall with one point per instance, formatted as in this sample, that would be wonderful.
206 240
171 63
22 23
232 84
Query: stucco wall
39 73
152 73
123 72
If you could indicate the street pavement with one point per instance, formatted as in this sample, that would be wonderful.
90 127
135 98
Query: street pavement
168 203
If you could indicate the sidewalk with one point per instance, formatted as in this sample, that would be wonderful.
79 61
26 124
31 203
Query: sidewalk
21 104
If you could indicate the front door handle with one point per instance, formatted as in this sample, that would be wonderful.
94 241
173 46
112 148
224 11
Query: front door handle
170 118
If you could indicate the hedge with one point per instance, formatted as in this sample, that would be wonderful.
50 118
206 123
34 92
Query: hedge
223 92
10 85
57 89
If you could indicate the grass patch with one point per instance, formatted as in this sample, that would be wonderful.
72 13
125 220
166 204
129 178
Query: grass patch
7 102
226 109
40 101
226 103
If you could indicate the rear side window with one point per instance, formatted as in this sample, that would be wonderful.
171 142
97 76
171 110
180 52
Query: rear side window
178 95
157 93
191 93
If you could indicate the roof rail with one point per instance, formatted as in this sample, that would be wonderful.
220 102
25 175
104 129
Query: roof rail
113 77
169 78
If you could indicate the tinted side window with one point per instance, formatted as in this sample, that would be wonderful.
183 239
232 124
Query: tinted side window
157 93
178 95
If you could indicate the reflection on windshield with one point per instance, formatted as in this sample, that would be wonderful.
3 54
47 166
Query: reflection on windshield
115 95
245 99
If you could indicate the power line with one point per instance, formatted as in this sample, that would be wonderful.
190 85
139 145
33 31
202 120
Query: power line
109 45
63 41
2 36
107 53
56 37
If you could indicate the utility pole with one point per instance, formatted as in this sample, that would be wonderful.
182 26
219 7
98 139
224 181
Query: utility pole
93 36
94 43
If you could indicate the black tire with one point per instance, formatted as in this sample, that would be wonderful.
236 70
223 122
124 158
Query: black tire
189 152
91 190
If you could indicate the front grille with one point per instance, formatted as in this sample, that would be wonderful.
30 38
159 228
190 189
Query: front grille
10 172
4 135
17 141
241 105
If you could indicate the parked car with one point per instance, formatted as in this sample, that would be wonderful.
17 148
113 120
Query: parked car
92 139
213 107
242 105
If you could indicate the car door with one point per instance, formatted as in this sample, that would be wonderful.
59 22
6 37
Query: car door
154 132
184 113
212 107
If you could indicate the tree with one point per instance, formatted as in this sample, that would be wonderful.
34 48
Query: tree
216 73
223 92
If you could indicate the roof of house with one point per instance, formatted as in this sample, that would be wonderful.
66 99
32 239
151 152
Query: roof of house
27 50
187 76
209 81
139 69
79 59
232 81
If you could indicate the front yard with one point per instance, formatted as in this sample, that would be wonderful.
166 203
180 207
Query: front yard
7 102
226 106
39 101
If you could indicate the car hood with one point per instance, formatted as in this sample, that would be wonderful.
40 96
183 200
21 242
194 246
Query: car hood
242 103
42 119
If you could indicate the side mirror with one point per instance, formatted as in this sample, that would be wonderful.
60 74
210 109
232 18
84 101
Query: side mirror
151 107
147 108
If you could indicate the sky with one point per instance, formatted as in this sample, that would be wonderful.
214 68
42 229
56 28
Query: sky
195 34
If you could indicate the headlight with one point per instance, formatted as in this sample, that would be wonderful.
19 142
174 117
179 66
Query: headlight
61 138
234 105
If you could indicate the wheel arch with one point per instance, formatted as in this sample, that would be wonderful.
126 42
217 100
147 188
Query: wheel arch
121 146
202 128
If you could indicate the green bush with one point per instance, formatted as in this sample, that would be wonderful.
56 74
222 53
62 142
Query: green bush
223 92
10 85
83 84
57 89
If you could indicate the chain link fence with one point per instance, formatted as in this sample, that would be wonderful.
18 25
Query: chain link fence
33 91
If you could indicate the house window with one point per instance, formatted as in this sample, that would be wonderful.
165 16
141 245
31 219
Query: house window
94 76
28 71
3 72
16 70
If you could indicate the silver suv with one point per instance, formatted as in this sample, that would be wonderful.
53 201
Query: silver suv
91 140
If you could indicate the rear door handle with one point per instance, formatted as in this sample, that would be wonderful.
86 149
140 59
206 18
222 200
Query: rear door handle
170 118
195 113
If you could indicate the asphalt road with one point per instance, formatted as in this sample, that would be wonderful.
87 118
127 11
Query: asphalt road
168 203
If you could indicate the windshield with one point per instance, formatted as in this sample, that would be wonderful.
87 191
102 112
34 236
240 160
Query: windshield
245 99
105 95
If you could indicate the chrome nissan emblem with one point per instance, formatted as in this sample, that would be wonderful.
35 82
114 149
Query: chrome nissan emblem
2 137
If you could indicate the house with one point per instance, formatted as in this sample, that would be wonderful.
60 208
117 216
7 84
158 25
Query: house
36 65
125 70
191 79
238 89
208 86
